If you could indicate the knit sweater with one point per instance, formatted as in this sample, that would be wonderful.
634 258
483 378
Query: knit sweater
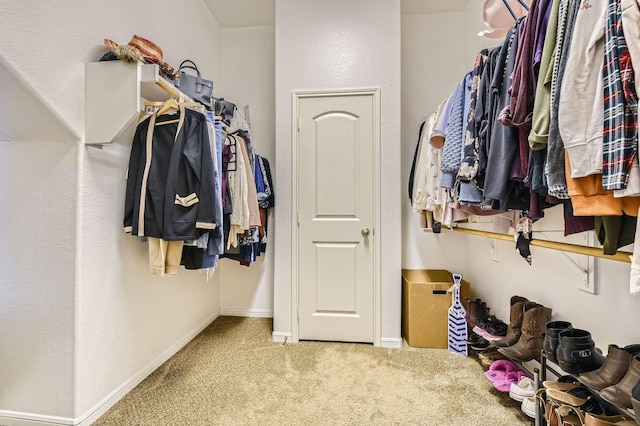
451 154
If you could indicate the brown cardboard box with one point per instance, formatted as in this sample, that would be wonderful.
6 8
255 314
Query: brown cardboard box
425 305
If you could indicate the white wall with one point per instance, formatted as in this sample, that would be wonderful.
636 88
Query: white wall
324 45
552 279
430 71
36 276
81 317
247 77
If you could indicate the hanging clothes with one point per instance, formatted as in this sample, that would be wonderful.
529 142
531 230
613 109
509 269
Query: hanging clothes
170 185
555 169
620 138
501 181
581 108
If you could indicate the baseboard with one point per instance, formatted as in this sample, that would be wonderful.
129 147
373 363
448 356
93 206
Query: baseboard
391 342
94 413
280 337
11 418
253 313
15 418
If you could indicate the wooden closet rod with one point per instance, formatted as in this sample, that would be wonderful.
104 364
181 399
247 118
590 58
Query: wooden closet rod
621 256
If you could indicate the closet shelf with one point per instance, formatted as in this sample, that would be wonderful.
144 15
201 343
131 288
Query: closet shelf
620 256
114 96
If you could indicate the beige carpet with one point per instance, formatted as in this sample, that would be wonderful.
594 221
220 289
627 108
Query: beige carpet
233 374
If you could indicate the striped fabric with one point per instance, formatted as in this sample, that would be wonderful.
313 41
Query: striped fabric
620 136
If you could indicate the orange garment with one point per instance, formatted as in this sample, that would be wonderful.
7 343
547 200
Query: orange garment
590 199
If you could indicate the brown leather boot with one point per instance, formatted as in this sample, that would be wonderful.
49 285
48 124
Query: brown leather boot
620 394
530 344
515 323
615 366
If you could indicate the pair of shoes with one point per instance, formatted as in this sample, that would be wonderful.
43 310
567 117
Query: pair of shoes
475 309
591 419
613 369
489 356
483 323
491 328
530 343
499 369
576 352
504 373
523 389
528 406
564 383
477 343
515 322
581 398
512 378
620 393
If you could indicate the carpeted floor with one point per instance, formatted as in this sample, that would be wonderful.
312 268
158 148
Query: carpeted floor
233 374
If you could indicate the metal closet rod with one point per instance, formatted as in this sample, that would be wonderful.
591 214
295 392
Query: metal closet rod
620 256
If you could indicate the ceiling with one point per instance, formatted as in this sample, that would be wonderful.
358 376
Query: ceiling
251 13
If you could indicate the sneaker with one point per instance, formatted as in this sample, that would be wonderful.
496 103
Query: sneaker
491 328
478 343
495 329
528 406
511 378
522 390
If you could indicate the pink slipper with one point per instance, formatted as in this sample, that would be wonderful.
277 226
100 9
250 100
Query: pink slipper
499 368
504 385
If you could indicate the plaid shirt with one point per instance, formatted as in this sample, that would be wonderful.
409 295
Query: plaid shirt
620 136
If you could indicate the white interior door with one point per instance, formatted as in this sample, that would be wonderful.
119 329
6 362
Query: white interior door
336 217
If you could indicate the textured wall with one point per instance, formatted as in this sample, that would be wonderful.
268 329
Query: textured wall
430 71
324 45
37 230
78 327
247 77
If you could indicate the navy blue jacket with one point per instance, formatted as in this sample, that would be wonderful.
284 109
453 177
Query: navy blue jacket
170 182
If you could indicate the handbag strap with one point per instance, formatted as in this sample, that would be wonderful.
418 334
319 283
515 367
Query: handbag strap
191 68
188 61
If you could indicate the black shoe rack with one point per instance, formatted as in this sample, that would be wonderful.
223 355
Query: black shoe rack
540 375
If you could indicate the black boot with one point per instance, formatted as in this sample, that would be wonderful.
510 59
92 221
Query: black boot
552 329
576 352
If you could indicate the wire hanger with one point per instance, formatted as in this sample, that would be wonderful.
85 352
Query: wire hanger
524 4
513 14
508 6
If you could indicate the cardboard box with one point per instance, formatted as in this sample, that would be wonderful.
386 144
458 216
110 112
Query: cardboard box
425 305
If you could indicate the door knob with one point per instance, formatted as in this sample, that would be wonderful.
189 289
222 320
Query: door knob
365 232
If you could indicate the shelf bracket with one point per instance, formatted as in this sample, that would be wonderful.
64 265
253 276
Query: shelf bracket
590 271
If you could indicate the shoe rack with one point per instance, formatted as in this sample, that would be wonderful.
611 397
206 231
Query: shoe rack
576 354
546 366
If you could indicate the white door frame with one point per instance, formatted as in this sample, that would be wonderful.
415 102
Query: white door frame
295 140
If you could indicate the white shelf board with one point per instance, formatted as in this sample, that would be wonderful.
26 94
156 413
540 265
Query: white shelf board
114 96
